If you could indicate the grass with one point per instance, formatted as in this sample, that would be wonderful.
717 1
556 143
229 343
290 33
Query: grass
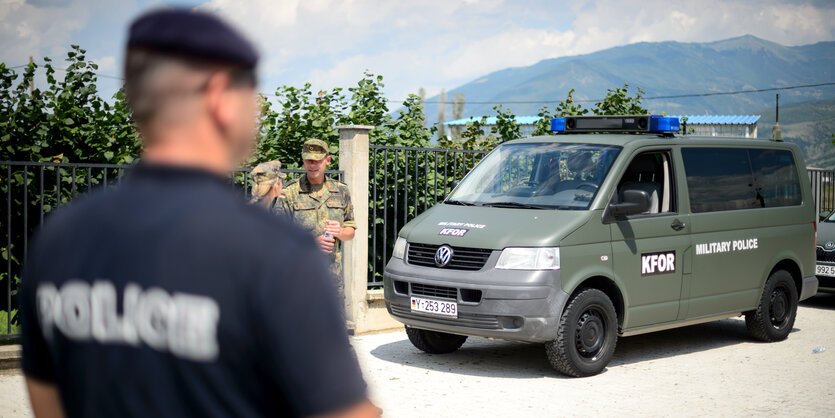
15 329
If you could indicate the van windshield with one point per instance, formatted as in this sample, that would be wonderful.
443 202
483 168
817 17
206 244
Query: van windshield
537 176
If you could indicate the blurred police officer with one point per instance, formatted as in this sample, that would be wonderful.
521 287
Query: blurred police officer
322 206
171 296
267 186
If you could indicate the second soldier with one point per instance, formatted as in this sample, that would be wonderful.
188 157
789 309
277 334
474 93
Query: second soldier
322 206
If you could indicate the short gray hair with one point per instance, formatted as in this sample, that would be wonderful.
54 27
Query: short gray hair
153 77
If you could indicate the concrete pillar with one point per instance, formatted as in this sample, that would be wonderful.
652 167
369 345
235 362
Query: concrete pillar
353 161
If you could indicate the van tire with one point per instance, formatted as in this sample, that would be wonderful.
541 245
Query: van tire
586 337
774 317
434 342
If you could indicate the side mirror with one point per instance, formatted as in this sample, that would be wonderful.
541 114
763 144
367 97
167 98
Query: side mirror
823 215
634 202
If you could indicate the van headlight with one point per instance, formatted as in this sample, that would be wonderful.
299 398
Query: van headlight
518 258
399 248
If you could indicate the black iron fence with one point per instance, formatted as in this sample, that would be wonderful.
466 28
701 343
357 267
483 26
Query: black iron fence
823 188
32 190
404 182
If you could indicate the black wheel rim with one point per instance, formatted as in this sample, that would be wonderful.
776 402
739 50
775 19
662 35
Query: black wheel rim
590 334
778 307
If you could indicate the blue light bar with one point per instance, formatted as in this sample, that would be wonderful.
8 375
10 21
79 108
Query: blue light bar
601 123
661 124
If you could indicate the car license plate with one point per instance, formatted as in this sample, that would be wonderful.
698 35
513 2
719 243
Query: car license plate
437 307
824 270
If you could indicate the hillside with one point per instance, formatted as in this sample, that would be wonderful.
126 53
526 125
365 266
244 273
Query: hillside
663 68
808 124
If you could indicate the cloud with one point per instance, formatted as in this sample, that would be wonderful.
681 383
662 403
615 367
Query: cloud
428 43
449 42
48 27
107 64
27 29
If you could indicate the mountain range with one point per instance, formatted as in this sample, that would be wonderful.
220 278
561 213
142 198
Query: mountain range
661 69
807 115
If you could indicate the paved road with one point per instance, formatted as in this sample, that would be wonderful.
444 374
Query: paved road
710 369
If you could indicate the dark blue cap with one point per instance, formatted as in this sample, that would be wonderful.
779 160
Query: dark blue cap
192 33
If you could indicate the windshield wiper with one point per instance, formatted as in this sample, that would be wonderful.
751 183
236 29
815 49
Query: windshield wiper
513 205
459 202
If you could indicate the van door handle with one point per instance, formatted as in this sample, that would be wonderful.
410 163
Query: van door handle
677 225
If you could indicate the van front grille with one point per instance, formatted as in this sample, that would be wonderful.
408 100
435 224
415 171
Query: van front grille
462 258
434 291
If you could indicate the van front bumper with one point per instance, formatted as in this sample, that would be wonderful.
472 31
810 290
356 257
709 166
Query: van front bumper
511 304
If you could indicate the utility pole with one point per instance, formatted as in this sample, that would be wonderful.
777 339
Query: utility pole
776 135
32 81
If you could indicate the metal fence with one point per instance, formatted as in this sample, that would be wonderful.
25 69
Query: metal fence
404 182
33 190
823 189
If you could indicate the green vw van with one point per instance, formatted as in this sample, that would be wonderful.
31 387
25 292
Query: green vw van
616 226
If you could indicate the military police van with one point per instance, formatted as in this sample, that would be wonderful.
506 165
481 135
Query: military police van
616 226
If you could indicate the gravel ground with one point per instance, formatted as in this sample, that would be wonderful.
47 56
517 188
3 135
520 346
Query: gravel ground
710 369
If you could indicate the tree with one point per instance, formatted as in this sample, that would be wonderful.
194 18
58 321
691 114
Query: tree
66 122
458 103
506 127
441 113
422 95
564 108
619 102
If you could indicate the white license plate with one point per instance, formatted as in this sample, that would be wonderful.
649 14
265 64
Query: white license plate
824 270
437 307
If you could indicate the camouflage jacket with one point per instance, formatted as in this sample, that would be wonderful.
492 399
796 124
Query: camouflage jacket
312 205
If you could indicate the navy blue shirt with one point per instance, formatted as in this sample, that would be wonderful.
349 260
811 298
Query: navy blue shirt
171 296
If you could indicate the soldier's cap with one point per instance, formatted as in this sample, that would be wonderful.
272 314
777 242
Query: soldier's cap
192 34
314 149
267 171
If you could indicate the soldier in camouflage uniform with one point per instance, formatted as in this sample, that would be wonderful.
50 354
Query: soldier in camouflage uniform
322 206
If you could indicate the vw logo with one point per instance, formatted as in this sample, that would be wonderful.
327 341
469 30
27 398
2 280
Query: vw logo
443 255
829 245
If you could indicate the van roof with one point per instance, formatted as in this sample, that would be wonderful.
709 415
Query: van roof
636 140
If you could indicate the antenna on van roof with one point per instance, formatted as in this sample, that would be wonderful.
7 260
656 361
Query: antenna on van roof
776 135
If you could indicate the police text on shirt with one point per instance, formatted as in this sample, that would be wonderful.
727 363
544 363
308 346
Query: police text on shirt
183 324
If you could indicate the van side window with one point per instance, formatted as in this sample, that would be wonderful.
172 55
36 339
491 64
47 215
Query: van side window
721 179
651 172
775 175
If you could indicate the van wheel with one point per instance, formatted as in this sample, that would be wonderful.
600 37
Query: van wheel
587 335
435 342
773 319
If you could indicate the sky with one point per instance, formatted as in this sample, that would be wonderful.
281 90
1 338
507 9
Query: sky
432 44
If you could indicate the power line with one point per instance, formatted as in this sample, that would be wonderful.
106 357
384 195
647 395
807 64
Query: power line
98 74
676 96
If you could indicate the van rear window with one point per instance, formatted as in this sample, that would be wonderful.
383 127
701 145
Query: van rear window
721 179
